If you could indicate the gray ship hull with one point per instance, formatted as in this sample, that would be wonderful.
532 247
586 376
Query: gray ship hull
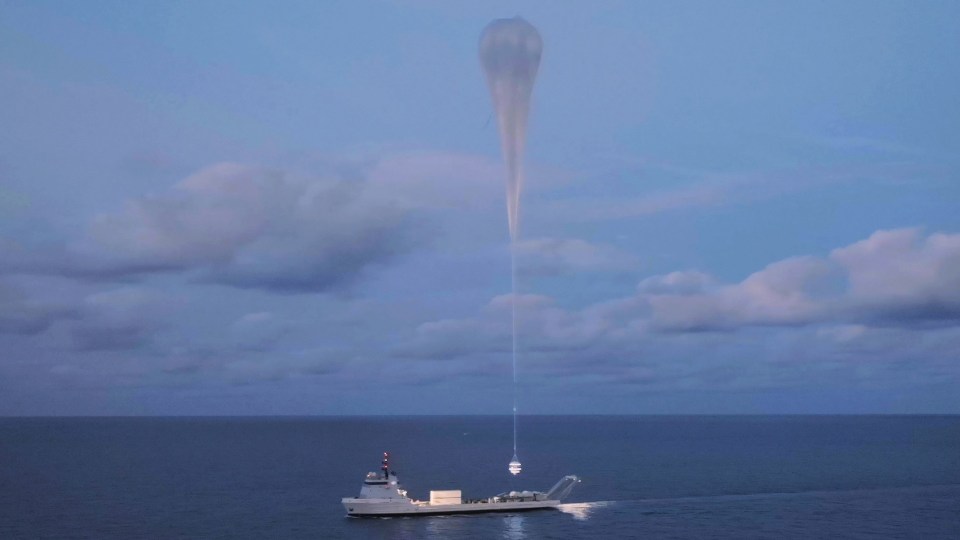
382 496
357 507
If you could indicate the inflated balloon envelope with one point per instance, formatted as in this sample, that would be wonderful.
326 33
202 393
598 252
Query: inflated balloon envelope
510 52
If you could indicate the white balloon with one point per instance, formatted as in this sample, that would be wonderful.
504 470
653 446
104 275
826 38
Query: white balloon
510 52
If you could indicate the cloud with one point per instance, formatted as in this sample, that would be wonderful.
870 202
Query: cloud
73 318
543 325
899 275
304 363
893 277
118 319
25 309
260 331
780 294
681 282
255 227
555 256
243 226
818 309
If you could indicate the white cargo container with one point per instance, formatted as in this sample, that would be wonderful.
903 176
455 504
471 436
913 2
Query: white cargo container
448 496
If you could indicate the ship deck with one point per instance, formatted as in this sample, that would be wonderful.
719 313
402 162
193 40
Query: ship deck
453 509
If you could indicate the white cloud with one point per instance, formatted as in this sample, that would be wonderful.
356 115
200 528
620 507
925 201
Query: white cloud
276 367
243 226
680 282
553 256
543 325
900 274
124 318
780 294
823 297
259 331
257 227
55 308
27 307
894 277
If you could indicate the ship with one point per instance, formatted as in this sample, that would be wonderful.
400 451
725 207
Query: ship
383 496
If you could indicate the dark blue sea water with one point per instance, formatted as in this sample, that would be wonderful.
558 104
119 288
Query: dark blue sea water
643 477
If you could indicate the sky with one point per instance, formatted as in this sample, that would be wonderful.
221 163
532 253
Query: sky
253 208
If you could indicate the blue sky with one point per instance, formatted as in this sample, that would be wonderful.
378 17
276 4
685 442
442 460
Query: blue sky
731 207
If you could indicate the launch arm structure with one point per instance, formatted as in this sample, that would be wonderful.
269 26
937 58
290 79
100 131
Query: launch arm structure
562 488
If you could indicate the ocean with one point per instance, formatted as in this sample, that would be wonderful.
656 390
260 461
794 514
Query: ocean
643 476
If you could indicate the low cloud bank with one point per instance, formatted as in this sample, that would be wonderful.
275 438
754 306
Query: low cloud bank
895 278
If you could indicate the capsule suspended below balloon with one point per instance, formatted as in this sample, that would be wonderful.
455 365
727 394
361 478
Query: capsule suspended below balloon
514 467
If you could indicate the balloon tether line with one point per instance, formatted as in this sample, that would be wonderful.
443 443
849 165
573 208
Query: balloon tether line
513 276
